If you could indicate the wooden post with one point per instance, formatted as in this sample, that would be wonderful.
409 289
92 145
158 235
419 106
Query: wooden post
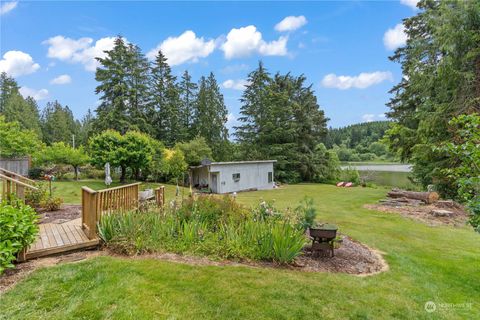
160 196
90 212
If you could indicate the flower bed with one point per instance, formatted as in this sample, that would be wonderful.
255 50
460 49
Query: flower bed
210 226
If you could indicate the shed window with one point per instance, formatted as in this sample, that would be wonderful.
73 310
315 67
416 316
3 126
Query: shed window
270 177
236 177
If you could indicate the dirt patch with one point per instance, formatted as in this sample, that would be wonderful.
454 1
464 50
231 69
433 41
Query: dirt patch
10 277
66 213
352 258
440 213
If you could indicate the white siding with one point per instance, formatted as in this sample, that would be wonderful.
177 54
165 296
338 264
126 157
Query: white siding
252 176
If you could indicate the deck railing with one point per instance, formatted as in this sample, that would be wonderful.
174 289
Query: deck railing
112 200
14 185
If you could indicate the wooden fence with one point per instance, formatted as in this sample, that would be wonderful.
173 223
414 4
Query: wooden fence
112 200
17 165
14 184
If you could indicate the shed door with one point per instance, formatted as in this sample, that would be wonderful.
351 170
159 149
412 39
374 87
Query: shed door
214 179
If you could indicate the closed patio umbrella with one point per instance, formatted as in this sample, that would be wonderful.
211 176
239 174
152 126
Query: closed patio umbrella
108 178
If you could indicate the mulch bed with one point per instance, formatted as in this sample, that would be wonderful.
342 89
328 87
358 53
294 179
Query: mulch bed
352 258
457 217
66 213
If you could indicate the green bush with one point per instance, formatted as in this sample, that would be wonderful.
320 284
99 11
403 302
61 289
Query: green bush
307 213
211 226
52 203
350 174
18 225
35 198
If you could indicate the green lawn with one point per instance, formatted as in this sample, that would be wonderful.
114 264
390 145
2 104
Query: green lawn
439 264
71 190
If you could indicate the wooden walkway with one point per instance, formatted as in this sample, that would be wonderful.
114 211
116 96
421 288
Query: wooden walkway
56 238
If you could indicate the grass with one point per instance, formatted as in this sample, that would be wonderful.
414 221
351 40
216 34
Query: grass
71 190
438 264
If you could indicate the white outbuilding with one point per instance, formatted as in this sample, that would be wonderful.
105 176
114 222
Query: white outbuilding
235 176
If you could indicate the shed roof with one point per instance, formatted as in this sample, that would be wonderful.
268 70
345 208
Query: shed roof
234 163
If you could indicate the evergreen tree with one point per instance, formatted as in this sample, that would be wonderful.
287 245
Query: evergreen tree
123 78
166 102
281 120
58 124
253 113
17 109
86 128
8 87
188 96
211 117
441 68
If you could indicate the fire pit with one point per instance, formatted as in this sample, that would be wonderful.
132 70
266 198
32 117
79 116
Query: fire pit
322 238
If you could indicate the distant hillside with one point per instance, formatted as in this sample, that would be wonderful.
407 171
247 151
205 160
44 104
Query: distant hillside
360 134
360 142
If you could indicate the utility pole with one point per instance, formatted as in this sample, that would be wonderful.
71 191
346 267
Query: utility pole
73 141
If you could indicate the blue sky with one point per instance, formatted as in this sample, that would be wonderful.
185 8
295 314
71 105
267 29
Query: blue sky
341 47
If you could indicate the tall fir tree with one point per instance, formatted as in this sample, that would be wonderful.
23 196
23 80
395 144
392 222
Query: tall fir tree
166 102
441 79
17 109
253 113
188 97
211 117
8 87
58 124
281 119
123 77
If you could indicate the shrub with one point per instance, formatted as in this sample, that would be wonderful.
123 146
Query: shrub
35 198
36 173
307 213
350 174
18 223
52 203
210 226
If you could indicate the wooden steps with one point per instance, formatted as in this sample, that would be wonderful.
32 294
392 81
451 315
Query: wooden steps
56 238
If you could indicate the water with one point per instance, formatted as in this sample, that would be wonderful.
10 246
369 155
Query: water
381 167
392 175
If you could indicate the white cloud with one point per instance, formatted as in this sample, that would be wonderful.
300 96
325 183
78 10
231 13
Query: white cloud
235 84
82 50
410 3
18 63
369 117
62 79
245 41
396 37
291 23
361 81
35 94
184 48
7 7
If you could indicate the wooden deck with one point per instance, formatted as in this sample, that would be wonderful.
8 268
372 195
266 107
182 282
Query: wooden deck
56 238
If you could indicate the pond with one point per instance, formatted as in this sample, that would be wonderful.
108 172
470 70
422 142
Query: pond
395 175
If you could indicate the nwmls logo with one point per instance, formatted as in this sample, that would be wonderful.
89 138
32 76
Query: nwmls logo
431 306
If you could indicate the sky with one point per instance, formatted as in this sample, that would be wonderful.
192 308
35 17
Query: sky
341 47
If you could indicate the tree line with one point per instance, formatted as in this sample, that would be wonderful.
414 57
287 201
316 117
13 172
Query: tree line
436 105
360 142
280 117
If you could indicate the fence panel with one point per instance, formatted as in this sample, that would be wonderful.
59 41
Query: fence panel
16 165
